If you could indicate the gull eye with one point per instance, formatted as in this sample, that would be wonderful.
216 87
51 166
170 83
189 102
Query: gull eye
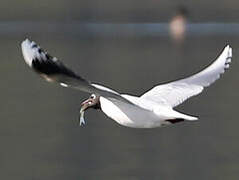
93 96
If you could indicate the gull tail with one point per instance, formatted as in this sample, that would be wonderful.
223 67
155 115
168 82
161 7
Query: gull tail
178 117
188 118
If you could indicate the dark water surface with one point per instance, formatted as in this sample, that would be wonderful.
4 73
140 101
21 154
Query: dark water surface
40 138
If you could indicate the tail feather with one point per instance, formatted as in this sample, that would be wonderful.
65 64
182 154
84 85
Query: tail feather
179 115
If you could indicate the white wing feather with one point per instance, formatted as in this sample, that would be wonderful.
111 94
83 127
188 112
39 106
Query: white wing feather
175 93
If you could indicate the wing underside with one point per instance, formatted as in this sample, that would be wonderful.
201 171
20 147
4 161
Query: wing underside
175 93
53 70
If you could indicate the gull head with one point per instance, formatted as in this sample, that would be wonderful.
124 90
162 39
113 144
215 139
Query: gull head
92 102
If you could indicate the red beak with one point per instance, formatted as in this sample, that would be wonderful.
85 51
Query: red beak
85 102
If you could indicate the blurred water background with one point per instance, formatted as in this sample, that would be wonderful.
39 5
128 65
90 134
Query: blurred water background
126 46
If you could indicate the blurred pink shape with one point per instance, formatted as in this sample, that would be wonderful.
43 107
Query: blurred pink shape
177 25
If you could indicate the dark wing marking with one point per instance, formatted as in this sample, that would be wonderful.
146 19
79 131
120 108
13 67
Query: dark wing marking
44 63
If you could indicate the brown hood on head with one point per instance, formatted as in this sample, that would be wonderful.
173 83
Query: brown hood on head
92 102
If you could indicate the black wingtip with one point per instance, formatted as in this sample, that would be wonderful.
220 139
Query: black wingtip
46 65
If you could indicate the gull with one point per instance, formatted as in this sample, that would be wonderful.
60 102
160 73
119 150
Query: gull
153 109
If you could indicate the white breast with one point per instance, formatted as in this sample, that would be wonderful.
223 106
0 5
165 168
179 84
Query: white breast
128 114
114 112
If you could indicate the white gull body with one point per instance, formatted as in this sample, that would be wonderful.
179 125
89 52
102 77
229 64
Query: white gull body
152 109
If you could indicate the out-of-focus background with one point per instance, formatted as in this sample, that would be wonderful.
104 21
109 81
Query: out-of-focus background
129 46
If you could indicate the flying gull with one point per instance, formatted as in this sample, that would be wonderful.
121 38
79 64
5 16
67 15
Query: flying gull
154 108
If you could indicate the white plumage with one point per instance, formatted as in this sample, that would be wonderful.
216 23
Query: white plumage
174 93
152 109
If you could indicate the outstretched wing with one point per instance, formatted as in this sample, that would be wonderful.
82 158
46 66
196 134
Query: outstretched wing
174 93
53 70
